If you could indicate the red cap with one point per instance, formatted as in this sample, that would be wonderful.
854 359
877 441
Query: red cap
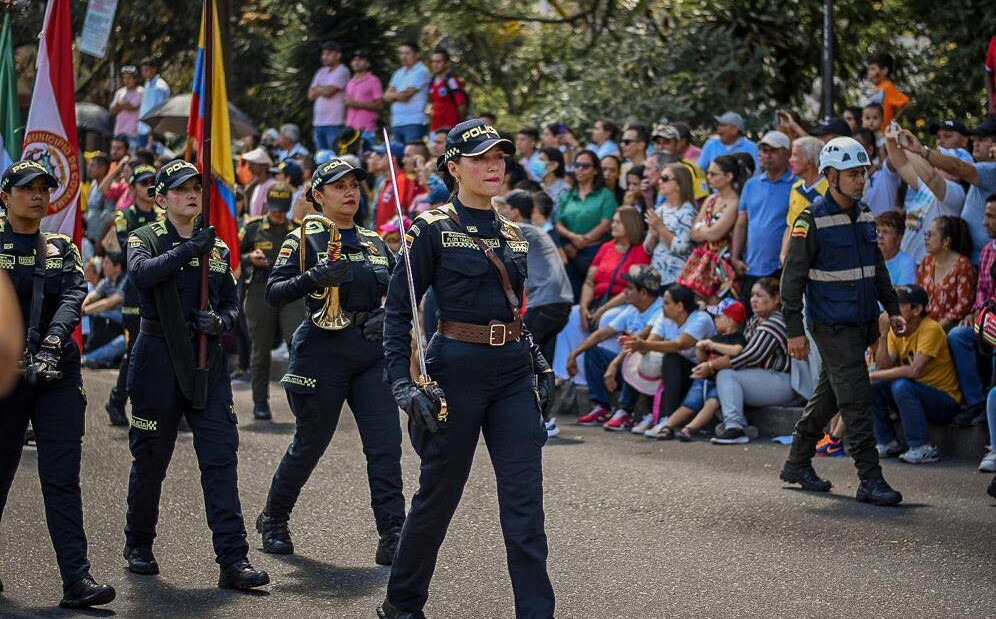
736 311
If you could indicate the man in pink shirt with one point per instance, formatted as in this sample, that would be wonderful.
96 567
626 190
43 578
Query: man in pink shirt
327 91
363 97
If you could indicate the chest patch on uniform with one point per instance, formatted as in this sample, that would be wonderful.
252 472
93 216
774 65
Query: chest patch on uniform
8 246
381 260
463 241
121 224
134 241
7 261
355 257
217 266
800 229
27 261
520 247
54 263
472 229
264 245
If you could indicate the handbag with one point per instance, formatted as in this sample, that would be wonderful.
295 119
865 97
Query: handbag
985 327
707 273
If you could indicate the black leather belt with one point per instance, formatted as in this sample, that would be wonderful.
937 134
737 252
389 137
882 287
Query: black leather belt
155 328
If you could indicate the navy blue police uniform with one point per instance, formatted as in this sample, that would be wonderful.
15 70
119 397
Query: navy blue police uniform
483 359
163 385
331 367
47 275
126 222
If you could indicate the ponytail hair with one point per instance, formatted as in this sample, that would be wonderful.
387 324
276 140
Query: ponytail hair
729 164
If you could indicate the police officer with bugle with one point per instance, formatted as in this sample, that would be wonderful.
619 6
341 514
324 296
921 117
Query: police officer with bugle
165 382
336 356
47 275
481 372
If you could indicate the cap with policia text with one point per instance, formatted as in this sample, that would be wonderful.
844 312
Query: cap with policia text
279 197
330 172
472 138
142 172
174 174
23 172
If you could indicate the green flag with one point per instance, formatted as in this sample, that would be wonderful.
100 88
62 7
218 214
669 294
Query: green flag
10 106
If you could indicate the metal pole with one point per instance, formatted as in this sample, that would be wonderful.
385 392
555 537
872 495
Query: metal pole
828 34
207 177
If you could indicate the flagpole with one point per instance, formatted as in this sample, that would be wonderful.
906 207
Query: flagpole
207 175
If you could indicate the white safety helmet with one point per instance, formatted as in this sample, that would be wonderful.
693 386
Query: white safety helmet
843 154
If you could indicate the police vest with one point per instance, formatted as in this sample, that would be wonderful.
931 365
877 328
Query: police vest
841 288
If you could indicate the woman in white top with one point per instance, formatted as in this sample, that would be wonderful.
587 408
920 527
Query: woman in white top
669 226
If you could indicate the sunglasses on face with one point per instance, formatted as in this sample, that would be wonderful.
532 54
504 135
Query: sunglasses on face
583 166
626 142
665 179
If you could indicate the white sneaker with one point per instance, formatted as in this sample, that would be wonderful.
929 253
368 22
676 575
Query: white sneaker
891 450
551 428
280 353
923 454
988 464
645 424
652 432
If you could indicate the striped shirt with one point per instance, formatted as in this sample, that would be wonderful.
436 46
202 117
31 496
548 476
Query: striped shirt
767 345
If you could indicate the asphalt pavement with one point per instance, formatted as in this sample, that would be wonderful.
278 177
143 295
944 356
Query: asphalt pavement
637 528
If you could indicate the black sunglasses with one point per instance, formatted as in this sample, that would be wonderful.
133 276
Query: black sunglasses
583 166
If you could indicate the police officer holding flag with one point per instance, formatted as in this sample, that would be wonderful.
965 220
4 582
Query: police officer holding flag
835 262
491 377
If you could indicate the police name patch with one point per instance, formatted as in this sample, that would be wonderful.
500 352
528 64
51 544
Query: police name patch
381 260
461 240
520 247
53 263
355 257
217 266
800 229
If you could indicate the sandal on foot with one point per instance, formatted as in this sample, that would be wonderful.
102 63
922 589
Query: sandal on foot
665 434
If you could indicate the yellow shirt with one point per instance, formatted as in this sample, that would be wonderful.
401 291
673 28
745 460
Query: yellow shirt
929 339
801 196
699 183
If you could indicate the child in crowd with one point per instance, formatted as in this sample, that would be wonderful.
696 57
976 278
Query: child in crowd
702 401
893 102
872 119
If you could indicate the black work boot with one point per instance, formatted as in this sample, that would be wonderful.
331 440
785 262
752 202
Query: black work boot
85 593
388 611
991 491
877 491
261 411
141 560
116 413
804 475
387 547
276 535
243 576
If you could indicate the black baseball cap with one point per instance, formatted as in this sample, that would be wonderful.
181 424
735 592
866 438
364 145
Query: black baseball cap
834 126
23 172
142 172
279 197
472 138
645 276
912 295
987 128
174 174
330 172
331 46
951 125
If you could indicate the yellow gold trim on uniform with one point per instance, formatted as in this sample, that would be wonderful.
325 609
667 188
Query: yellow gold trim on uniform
520 247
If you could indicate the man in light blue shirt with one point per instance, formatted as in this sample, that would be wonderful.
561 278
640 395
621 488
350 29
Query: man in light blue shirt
729 139
764 204
601 139
156 93
408 94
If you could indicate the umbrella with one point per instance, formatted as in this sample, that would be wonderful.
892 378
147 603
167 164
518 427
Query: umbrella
92 117
171 117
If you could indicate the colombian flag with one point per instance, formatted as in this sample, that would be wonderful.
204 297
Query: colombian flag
223 214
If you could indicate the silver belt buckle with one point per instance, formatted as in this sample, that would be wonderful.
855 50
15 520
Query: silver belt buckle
494 329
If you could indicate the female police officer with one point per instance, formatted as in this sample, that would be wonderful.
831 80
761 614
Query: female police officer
484 361
336 355
164 260
47 275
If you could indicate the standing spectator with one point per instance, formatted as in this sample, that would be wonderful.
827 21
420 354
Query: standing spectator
260 163
289 143
915 375
612 170
384 206
98 208
449 98
602 135
804 163
893 102
550 135
852 116
890 228
691 152
871 120
363 97
667 139
764 205
327 91
526 141
583 217
729 139
549 168
832 128
126 103
946 273
156 92
952 134
963 340
633 145
408 94
437 145
669 226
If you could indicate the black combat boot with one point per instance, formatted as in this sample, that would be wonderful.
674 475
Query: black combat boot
991 491
387 611
116 413
276 535
243 576
804 475
85 593
387 547
141 560
261 411
877 491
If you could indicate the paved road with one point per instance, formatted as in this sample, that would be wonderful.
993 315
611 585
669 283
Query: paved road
637 529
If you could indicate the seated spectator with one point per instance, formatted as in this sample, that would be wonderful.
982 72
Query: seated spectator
679 328
759 375
105 343
549 168
583 218
890 228
915 375
947 273
542 212
633 195
611 169
603 366
701 401
669 226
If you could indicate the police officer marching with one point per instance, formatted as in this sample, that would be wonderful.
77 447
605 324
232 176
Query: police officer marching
142 212
490 375
336 356
164 384
47 275
261 238
835 262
